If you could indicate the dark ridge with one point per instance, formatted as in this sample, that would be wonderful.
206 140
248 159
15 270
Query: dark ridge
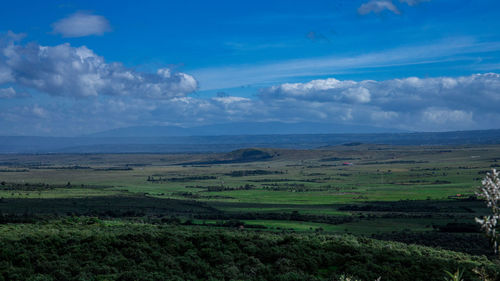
238 156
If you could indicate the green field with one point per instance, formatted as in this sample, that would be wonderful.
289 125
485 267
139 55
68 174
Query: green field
288 180
293 177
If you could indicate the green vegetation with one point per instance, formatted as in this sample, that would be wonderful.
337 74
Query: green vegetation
416 195
91 249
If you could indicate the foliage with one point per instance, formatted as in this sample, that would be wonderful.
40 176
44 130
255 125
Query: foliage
457 276
483 275
91 249
490 192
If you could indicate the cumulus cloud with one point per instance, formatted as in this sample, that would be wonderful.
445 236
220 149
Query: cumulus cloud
81 24
64 70
319 90
442 103
378 6
476 90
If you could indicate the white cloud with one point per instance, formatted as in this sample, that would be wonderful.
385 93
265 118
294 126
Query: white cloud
81 24
445 116
64 70
39 111
415 93
5 74
9 93
384 115
360 94
413 2
442 103
320 90
378 6
230 99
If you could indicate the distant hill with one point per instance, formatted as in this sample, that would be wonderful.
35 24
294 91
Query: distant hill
227 143
239 156
242 128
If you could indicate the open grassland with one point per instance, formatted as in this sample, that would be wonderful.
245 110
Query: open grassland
378 173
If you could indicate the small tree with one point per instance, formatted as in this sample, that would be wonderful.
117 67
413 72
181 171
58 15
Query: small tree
490 192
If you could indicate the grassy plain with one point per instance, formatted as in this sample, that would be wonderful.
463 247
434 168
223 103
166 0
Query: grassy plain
377 173
315 183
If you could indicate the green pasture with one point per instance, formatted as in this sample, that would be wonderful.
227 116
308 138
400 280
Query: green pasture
379 173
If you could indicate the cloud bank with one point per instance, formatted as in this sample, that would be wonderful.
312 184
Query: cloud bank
442 103
415 104
64 70
81 24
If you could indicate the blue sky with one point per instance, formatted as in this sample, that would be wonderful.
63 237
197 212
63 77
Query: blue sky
406 64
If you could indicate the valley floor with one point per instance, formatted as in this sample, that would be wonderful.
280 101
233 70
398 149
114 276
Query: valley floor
323 204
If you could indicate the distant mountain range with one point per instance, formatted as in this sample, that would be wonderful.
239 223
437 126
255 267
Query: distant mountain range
242 128
123 143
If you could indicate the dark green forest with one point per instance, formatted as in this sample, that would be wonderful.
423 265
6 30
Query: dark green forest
86 248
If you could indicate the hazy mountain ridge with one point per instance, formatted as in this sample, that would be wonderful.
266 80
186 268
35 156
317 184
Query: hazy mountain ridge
188 144
242 128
